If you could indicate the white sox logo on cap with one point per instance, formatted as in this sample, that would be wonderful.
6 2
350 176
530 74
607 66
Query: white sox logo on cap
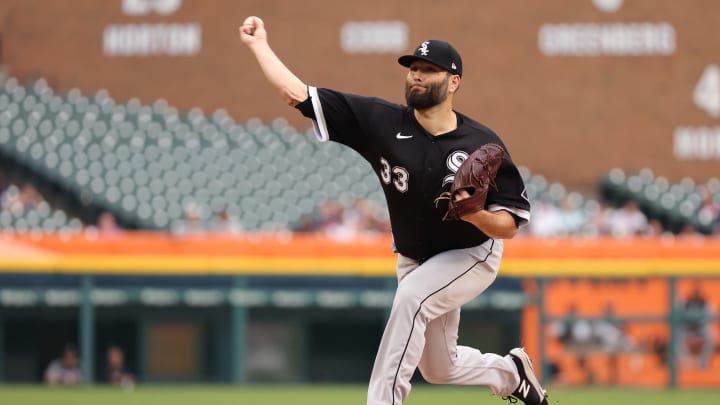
424 48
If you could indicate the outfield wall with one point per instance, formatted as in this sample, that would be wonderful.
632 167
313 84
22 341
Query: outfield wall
313 304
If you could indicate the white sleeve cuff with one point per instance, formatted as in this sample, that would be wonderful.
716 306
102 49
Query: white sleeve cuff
522 214
319 125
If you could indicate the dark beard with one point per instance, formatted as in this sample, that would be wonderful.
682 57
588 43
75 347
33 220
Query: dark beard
436 93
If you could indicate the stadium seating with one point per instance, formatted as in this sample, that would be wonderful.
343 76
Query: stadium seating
675 205
148 163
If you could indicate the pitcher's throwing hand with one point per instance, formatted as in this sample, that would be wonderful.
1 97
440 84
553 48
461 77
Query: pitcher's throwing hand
252 29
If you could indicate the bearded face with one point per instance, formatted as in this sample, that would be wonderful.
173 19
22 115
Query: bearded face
433 93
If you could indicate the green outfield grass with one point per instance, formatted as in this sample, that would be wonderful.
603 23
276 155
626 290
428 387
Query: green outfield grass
330 395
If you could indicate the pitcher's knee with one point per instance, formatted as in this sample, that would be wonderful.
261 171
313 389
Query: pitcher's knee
435 375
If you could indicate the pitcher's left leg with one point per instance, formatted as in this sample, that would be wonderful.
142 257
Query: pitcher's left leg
442 284
444 362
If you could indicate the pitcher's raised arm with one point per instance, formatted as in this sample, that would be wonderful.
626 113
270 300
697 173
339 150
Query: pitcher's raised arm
290 87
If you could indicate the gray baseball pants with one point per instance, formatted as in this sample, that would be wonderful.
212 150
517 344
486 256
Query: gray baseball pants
422 328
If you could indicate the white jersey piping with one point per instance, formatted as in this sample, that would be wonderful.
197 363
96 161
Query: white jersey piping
319 125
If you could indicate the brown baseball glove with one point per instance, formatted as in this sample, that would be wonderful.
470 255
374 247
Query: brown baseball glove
476 175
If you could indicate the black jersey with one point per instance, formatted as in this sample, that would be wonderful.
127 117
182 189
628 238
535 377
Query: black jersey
415 167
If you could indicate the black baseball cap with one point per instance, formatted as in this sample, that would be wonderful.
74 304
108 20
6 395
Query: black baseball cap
438 53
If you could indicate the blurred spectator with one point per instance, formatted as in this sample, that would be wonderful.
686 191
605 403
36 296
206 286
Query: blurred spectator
655 229
224 222
192 222
573 330
570 217
587 336
544 219
66 369
584 334
659 346
575 334
107 225
709 208
330 217
628 221
689 231
307 223
598 223
115 372
362 217
696 338
609 332
18 200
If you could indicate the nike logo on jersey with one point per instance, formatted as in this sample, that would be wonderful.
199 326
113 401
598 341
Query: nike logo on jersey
399 135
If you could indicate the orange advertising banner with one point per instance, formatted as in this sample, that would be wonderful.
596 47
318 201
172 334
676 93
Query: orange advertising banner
150 252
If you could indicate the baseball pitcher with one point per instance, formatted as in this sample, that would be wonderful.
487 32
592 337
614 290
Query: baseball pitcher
453 194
